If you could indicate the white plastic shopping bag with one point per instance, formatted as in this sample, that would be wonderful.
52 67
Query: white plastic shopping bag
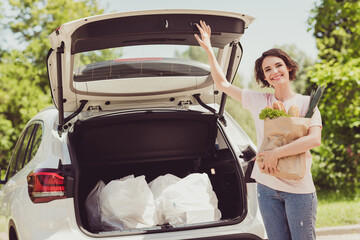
127 203
93 207
190 200
157 186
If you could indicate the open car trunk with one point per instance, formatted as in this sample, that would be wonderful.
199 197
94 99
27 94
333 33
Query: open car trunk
155 143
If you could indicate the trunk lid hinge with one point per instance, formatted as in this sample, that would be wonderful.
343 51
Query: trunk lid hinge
221 118
235 42
62 128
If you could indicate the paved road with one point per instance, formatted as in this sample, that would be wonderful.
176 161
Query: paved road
339 233
354 236
333 233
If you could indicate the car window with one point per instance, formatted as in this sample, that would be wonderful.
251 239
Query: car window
22 150
35 143
19 151
134 63
141 70
13 162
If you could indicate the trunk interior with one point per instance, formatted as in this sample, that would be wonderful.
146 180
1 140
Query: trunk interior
154 144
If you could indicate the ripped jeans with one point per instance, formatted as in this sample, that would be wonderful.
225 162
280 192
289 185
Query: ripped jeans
287 216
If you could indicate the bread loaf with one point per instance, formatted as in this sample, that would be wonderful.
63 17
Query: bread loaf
279 106
294 111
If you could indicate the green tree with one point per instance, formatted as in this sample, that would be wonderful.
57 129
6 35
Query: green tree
20 99
336 25
23 74
35 20
337 30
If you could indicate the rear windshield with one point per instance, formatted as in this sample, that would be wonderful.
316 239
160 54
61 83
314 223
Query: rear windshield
140 62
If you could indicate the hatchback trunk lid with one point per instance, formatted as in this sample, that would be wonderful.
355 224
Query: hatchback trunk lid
103 61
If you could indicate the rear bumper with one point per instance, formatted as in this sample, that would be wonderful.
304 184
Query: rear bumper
159 236
241 236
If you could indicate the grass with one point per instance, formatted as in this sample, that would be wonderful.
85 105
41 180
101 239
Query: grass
337 209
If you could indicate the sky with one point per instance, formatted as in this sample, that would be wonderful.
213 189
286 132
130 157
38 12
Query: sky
277 22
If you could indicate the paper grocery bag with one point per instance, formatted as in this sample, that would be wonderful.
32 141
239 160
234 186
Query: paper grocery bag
280 131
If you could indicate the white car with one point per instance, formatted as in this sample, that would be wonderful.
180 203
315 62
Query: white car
132 96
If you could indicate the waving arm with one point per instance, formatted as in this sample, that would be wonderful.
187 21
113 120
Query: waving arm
218 76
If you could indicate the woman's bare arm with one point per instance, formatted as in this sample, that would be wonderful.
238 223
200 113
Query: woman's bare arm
216 72
313 139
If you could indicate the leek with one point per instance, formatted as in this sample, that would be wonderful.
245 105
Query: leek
314 100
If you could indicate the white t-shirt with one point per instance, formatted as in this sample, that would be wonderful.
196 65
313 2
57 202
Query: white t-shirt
255 102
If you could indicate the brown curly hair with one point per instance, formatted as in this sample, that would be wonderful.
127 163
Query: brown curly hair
276 52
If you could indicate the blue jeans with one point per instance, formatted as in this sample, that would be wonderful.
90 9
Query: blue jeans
287 216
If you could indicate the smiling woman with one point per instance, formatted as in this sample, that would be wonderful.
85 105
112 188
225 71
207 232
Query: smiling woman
276 69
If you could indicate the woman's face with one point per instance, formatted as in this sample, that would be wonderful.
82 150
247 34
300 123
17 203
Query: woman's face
275 70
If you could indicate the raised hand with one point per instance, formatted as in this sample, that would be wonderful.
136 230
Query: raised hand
205 32
217 74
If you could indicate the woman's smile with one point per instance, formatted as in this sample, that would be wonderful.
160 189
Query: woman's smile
275 70
277 77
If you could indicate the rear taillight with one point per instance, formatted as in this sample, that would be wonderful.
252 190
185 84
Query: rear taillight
45 185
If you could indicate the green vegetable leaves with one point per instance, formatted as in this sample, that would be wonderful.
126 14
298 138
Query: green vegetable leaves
314 100
272 113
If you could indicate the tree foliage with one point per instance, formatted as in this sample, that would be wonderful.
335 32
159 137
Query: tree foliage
23 75
336 27
35 20
337 30
20 99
